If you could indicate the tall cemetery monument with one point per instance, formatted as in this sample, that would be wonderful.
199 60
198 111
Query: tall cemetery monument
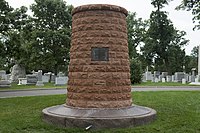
99 87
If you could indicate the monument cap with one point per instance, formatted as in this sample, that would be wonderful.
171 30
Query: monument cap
92 7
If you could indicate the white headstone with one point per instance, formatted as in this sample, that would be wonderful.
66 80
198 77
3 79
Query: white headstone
163 80
2 74
61 80
148 76
22 81
173 78
196 80
156 80
45 78
183 81
169 78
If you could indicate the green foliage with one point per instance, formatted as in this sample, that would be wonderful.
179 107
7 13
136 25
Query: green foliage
136 31
195 51
136 71
159 3
5 11
162 40
194 6
191 61
51 32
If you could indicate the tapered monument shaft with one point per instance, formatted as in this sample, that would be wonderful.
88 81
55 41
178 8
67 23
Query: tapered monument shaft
99 73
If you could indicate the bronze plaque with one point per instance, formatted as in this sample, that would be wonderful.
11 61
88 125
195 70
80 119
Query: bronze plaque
100 54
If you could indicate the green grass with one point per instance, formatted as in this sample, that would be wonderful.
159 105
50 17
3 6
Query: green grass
149 83
177 112
14 86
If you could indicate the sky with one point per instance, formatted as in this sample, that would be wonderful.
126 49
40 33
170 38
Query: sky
182 20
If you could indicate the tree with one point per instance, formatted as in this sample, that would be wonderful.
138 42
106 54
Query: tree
161 39
195 51
14 42
136 71
191 61
136 30
194 6
51 34
5 11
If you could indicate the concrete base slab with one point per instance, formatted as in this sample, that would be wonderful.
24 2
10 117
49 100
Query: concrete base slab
195 83
95 118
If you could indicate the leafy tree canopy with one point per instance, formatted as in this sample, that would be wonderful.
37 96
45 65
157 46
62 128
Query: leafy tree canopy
51 34
194 6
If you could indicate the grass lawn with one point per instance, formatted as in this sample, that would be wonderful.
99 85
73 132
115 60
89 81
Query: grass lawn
14 86
177 112
149 83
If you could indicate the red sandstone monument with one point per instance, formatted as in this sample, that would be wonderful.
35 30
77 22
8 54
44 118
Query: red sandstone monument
99 87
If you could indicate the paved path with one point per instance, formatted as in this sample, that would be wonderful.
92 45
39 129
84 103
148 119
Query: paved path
39 92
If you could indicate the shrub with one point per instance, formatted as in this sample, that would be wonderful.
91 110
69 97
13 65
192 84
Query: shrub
136 71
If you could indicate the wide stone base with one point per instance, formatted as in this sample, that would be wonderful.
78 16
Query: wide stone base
95 118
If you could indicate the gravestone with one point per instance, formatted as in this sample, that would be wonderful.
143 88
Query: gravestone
183 81
173 78
144 78
163 80
156 74
164 74
31 79
17 72
192 78
39 78
61 74
22 81
148 76
99 87
156 80
5 84
53 78
179 76
61 81
160 77
168 78
45 78
193 71
2 74
153 79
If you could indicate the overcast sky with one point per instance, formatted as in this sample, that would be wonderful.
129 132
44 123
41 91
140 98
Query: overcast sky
182 20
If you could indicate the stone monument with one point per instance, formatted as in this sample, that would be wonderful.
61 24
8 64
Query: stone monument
17 72
99 87
39 78
198 76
